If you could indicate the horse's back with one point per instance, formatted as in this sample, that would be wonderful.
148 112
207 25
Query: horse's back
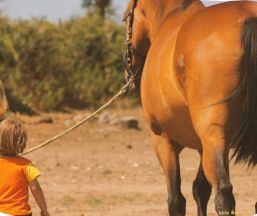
224 20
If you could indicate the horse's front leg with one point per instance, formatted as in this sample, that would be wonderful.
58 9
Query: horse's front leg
168 155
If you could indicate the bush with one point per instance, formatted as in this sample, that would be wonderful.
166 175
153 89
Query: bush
96 50
47 66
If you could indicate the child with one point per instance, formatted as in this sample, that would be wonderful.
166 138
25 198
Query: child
17 174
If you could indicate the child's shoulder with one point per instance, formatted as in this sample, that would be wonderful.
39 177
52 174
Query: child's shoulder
23 160
17 160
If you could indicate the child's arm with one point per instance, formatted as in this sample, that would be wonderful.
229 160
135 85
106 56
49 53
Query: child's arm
39 196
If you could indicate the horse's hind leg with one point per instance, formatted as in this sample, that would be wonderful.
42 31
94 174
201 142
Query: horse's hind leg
168 155
214 124
201 191
216 168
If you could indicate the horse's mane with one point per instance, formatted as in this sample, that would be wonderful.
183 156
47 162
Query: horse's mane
186 3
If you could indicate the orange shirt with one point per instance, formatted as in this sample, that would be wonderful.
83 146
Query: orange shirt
15 174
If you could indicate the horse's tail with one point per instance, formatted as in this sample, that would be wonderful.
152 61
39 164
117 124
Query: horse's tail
245 139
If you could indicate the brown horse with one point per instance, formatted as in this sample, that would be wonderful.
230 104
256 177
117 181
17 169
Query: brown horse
198 89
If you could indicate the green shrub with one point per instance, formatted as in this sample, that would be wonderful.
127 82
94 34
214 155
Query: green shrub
96 48
47 66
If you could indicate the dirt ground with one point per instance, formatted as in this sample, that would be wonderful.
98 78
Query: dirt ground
106 170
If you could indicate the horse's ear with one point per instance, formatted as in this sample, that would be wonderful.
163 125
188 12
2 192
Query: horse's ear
3 101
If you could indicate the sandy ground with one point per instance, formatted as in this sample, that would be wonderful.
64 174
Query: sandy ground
104 169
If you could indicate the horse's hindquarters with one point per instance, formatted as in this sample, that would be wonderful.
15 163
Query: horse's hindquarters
210 44
163 102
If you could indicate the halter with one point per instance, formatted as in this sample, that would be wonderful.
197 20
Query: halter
130 51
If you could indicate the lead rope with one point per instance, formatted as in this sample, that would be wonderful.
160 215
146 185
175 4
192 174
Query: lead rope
131 78
63 133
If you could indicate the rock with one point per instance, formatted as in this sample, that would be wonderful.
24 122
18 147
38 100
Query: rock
129 146
78 117
135 165
46 119
74 168
129 122
74 181
104 118
126 122
107 118
67 122
122 178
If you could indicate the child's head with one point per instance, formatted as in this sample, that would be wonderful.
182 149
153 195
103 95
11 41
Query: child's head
13 137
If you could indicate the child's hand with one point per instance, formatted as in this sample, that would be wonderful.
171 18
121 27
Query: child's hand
44 213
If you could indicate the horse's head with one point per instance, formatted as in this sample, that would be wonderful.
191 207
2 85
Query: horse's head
137 40
3 101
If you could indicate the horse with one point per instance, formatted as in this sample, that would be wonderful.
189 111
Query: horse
3 101
196 68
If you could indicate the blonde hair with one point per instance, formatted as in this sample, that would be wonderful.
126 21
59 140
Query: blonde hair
13 137
3 101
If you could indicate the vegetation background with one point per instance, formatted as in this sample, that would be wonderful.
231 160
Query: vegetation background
75 63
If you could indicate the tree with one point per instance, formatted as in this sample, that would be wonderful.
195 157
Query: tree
98 5
0 8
